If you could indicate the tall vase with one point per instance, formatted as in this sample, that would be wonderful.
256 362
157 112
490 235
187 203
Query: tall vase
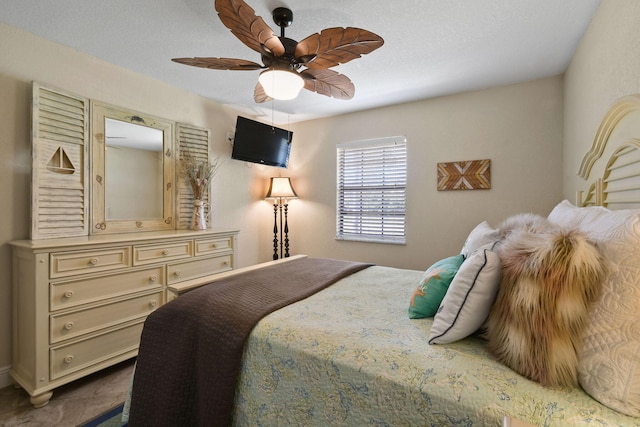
199 219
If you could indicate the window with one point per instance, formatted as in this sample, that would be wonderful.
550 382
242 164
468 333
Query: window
372 180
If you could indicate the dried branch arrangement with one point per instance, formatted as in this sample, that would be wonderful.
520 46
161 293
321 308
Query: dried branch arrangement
198 173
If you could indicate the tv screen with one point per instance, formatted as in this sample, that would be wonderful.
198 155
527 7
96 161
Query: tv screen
261 143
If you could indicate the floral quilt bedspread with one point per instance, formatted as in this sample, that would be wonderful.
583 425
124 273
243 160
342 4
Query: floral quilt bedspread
349 355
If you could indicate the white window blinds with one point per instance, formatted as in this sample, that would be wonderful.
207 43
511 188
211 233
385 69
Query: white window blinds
371 193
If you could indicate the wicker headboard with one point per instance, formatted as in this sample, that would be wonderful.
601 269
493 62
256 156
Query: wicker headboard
614 159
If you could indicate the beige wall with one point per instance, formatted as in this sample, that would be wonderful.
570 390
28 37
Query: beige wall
518 127
605 67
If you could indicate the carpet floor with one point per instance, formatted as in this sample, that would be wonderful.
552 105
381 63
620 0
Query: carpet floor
72 404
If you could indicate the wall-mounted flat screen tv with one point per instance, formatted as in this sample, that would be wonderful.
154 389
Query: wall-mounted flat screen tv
257 142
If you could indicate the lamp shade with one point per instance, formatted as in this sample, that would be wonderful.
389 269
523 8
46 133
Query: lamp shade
280 188
281 84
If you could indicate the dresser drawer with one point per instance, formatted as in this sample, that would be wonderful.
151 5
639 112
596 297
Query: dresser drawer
73 357
213 246
76 292
65 264
179 272
70 325
147 254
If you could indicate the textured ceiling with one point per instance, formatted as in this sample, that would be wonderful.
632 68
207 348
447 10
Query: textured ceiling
432 47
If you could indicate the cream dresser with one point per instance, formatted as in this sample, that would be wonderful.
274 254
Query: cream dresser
79 303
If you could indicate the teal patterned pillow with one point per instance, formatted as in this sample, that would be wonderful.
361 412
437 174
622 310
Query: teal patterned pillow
433 286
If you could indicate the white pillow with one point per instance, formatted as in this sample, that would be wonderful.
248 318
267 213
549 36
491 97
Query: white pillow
609 360
469 298
567 215
481 235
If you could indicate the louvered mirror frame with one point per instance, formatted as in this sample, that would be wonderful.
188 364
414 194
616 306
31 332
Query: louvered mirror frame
60 136
61 188
195 141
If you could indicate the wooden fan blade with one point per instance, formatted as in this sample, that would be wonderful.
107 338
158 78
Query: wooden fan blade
329 83
335 46
219 63
259 95
241 19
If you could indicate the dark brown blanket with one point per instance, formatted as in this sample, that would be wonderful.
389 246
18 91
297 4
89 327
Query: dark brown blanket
191 349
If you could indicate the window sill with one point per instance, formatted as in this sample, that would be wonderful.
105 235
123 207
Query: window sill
362 239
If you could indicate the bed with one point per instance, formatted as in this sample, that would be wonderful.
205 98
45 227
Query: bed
308 365
348 353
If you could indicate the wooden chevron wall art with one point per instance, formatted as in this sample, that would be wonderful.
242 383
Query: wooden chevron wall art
467 175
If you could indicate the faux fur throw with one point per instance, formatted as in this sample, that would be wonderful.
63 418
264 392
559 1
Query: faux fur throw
550 278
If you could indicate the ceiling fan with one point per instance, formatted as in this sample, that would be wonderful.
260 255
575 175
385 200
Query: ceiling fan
282 57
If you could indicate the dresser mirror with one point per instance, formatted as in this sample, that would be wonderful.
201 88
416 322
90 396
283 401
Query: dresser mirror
132 171
138 150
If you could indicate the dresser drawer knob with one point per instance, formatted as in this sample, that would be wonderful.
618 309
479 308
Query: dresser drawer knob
69 325
153 278
165 252
213 245
176 273
153 303
68 359
94 261
225 263
68 294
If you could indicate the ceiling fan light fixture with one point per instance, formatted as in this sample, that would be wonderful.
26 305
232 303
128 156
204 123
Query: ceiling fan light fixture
281 84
